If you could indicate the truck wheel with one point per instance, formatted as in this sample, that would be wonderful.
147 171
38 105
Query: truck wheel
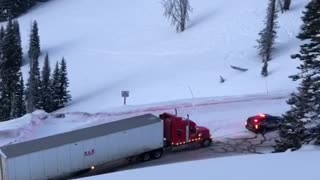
146 157
157 154
206 143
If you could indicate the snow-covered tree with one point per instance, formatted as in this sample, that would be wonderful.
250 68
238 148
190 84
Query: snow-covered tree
64 93
18 104
55 84
46 89
178 11
302 121
33 90
268 34
264 71
286 4
10 9
11 58
34 43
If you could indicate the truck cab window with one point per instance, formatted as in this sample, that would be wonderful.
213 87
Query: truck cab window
192 130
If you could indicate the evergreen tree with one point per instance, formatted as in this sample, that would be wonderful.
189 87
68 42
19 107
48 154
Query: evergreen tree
16 29
11 57
46 89
2 33
55 84
302 120
33 90
64 93
7 9
268 34
286 5
34 43
264 71
18 105
10 9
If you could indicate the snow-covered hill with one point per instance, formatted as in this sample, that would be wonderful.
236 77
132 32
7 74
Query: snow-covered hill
118 45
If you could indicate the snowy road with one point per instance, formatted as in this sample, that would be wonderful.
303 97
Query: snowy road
249 144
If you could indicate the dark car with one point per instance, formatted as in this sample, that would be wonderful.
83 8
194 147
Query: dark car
263 123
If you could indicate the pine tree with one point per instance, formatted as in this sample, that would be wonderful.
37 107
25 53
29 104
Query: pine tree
302 120
16 29
55 84
33 90
64 93
11 58
286 5
7 9
2 33
268 34
18 103
264 71
46 89
10 9
34 43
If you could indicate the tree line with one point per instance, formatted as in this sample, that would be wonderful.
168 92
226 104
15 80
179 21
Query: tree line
43 90
302 120
10 9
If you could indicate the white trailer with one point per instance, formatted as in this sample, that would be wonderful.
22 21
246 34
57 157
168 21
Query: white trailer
63 154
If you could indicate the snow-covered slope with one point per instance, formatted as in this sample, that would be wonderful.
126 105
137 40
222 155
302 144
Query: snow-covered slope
128 45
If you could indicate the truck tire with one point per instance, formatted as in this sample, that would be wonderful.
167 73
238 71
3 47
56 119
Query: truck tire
145 157
157 154
206 143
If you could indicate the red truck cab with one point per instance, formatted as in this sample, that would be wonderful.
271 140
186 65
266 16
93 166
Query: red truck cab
179 131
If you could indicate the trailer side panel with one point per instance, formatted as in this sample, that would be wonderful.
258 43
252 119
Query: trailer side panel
22 167
1 171
76 157
63 157
36 165
50 162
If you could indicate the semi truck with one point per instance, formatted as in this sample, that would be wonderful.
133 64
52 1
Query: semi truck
144 137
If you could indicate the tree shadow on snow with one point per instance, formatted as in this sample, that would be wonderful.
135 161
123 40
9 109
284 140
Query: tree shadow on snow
197 20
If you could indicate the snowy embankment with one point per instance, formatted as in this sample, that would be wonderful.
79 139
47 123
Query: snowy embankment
301 165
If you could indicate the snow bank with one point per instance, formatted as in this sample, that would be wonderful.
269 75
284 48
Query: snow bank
293 166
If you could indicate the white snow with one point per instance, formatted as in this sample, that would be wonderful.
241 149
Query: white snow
118 45
293 165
